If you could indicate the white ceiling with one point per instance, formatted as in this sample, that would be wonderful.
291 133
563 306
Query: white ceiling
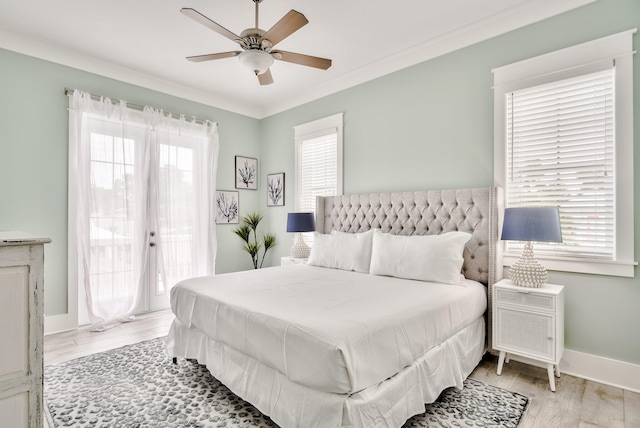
145 42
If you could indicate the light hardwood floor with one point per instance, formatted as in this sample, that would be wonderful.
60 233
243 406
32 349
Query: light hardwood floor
577 402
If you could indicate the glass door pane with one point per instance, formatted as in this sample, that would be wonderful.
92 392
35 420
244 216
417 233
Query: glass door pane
175 216
111 213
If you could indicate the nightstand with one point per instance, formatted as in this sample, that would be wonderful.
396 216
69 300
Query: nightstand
288 260
529 322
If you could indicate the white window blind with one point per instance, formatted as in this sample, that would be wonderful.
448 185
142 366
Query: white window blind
560 152
318 164
318 155
563 136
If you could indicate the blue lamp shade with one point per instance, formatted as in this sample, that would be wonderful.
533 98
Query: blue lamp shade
539 224
300 222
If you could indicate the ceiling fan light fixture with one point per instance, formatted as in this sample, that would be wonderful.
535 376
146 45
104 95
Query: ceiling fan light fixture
256 44
256 60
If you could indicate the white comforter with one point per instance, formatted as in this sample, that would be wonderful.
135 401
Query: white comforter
330 330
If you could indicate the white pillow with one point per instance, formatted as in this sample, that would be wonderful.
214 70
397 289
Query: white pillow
435 258
346 251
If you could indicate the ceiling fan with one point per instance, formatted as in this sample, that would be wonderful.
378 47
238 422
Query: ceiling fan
257 45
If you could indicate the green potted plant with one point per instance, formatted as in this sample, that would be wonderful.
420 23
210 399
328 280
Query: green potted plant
253 246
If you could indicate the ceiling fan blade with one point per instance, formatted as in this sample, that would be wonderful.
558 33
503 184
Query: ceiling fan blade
296 58
209 57
265 78
198 17
288 24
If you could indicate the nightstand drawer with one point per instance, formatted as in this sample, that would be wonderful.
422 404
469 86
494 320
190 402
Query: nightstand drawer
530 299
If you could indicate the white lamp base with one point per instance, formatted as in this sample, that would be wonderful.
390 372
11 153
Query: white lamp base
527 271
300 249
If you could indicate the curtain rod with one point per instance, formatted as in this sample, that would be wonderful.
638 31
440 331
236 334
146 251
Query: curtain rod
68 92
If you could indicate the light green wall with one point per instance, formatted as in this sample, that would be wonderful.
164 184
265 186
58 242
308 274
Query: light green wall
33 157
428 126
431 126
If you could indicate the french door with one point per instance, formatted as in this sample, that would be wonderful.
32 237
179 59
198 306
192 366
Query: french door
130 218
142 209
173 217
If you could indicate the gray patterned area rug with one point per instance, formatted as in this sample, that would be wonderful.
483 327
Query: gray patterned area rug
139 386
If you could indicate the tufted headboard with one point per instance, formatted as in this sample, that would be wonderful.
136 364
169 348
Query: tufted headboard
477 211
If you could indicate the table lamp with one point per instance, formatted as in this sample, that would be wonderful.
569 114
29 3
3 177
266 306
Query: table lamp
298 223
541 224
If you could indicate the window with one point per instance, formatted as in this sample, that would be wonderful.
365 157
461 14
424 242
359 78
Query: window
564 137
318 151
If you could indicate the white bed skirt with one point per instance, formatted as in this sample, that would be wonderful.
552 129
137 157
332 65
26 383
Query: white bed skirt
388 404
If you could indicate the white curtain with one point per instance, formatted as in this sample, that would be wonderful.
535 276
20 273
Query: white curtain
185 155
136 177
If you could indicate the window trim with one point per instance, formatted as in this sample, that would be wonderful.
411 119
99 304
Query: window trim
313 129
562 64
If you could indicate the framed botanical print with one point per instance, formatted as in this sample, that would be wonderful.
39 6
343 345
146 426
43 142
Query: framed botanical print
227 206
246 173
275 190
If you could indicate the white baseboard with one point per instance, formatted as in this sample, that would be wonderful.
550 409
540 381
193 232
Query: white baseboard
603 370
59 323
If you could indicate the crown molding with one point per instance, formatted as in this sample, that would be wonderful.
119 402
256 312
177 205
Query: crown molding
68 58
510 19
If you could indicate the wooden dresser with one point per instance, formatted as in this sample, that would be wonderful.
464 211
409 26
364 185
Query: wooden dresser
21 329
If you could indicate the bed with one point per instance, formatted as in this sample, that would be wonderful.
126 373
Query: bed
319 346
